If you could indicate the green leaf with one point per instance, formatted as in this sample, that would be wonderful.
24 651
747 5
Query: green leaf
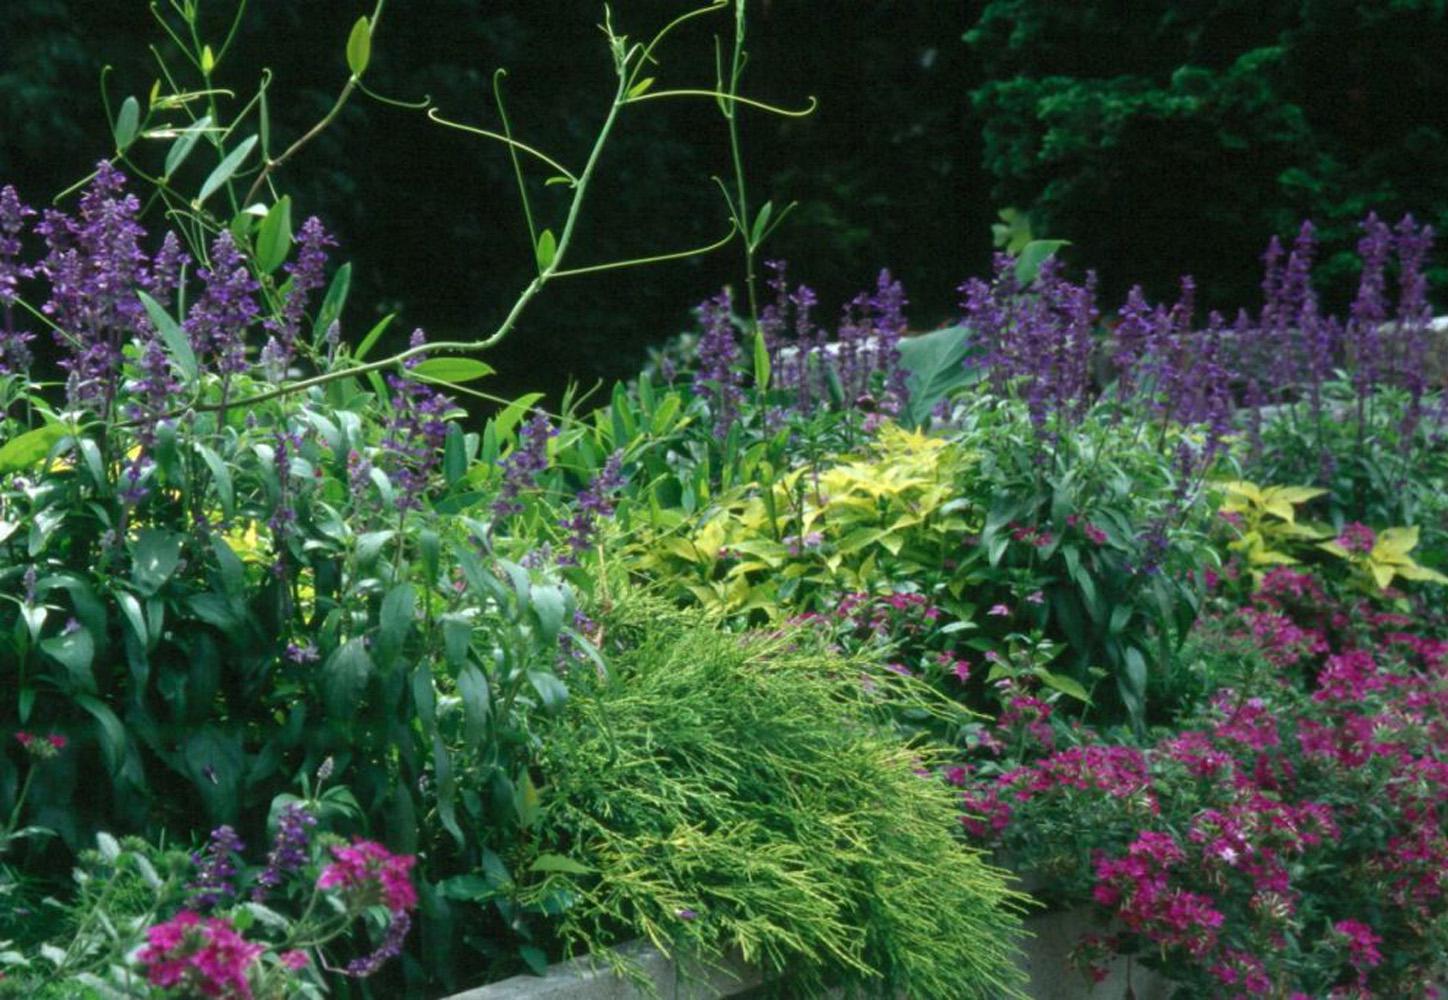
395 622
935 368
113 733
473 687
513 414
225 169
155 554
30 448
128 122
1066 685
372 336
359 46
559 863
454 455
551 690
761 362
274 238
184 144
550 605
1036 253
178 345
220 478
640 87
335 300
526 801
761 224
75 651
450 370
546 249
344 677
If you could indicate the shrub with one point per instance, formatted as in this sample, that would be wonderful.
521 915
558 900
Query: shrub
737 791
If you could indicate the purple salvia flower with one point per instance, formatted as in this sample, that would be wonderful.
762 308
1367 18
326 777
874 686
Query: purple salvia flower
593 505
153 390
289 850
415 433
308 273
215 868
167 267
95 265
390 948
283 518
717 378
887 307
1135 330
14 350
359 476
218 322
1414 316
1369 307
524 464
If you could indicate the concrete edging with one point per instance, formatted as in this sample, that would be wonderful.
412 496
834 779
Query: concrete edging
1045 959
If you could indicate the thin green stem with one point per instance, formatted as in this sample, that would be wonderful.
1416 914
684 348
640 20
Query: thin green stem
513 155
654 95
487 134
638 261
271 166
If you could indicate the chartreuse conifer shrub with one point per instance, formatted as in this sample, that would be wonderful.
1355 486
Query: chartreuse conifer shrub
723 792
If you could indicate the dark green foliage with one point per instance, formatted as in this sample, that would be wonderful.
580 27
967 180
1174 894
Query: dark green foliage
729 792
1166 138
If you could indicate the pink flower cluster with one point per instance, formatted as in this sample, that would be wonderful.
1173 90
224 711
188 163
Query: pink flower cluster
1288 839
366 873
1138 887
199 958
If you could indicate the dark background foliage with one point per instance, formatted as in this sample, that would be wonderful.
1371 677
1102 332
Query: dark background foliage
1161 138
885 171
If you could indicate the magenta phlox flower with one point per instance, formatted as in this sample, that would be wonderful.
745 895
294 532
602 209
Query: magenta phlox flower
199 958
368 874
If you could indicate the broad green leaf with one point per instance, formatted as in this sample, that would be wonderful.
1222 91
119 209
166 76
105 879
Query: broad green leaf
30 448
935 367
559 863
526 801
1393 542
395 621
274 237
513 414
454 455
550 605
372 336
75 651
344 678
551 690
334 301
127 123
220 478
1066 685
1414 571
185 143
155 554
761 362
1382 574
225 169
113 733
359 46
1036 253
451 370
473 687
546 249
178 345
761 224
